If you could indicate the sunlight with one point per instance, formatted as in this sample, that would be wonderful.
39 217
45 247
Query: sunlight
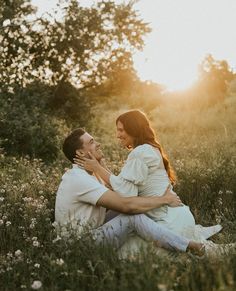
172 71
183 33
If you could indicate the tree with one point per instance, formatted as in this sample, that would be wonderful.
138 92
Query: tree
214 79
66 58
79 48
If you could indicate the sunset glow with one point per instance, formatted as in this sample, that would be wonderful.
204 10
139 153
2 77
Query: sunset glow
183 33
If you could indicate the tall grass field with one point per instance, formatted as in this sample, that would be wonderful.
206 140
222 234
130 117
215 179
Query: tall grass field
201 148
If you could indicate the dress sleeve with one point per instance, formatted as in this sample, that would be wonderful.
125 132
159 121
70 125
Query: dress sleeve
135 171
133 174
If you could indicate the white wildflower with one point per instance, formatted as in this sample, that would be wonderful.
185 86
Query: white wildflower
54 224
228 192
18 253
36 243
6 22
60 262
56 239
8 223
36 265
36 285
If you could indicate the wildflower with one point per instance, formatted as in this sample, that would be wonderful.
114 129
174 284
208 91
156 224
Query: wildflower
155 266
36 243
36 265
60 262
18 253
54 224
9 255
8 223
32 224
56 239
1 222
162 287
2 191
228 192
36 285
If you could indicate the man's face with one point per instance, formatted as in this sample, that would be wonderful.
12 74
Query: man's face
90 145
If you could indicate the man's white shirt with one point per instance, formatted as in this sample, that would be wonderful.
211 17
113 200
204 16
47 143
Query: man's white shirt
76 200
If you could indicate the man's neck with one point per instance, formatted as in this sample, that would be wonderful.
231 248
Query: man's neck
89 172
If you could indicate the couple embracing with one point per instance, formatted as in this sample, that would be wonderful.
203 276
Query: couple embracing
138 204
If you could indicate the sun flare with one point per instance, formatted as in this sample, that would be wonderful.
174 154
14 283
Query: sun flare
183 33
174 76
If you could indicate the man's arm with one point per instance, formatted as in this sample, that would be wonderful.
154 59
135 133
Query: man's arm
134 205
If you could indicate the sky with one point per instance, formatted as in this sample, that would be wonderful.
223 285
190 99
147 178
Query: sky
183 33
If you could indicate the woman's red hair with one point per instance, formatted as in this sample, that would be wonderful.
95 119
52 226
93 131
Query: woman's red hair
137 125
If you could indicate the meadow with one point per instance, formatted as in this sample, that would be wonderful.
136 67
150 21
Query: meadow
201 147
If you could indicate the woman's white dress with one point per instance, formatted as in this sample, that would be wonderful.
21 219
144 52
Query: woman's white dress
144 174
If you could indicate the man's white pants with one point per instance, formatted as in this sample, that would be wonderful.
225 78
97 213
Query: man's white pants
116 231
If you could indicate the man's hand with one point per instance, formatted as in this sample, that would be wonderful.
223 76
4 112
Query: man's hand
172 199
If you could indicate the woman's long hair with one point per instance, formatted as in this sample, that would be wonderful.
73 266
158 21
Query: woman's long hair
137 125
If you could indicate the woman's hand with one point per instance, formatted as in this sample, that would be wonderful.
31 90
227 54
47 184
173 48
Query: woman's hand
88 164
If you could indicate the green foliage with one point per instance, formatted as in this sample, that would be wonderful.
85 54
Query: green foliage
67 59
81 48
26 125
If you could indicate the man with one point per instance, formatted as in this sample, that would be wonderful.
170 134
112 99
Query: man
81 200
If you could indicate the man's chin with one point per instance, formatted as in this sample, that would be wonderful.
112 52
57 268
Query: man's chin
98 156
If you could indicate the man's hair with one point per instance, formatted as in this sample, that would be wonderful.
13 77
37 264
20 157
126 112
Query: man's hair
72 143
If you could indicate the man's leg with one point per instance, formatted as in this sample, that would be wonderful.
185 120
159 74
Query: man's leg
110 215
117 230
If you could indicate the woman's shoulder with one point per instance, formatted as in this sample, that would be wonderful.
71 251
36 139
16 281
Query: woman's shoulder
143 151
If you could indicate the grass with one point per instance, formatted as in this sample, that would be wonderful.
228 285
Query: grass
201 146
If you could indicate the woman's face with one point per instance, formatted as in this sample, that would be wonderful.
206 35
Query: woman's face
125 139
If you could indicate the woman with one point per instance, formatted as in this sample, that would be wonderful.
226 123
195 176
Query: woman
148 172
